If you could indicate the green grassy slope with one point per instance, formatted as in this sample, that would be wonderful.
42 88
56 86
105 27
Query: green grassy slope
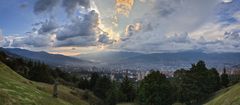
228 96
16 90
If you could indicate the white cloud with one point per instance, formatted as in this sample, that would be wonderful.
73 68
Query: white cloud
166 19
227 1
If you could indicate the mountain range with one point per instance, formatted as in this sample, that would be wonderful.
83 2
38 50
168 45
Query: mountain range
133 60
51 59
164 61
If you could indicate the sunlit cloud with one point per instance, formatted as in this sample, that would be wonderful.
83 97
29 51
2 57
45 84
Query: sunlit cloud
124 7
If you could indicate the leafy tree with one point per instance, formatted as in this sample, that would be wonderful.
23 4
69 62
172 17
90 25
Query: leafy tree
224 78
102 86
93 80
112 95
128 90
155 89
214 80
83 83
41 73
196 84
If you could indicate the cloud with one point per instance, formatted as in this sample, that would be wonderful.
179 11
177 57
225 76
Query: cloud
235 35
180 38
71 5
30 40
104 38
227 1
163 28
48 26
85 25
132 29
82 31
181 15
78 41
150 44
44 5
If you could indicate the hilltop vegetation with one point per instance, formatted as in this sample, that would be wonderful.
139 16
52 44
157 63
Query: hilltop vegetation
16 90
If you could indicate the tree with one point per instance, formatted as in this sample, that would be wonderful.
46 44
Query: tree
224 78
214 80
41 73
102 86
83 84
155 89
93 80
196 84
127 89
112 95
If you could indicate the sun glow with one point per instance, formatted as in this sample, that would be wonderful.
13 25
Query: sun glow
124 6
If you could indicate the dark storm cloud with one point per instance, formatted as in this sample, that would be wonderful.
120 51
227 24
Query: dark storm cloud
71 5
104 38
235 35
80 26
44 5
80 41
47 27
82 31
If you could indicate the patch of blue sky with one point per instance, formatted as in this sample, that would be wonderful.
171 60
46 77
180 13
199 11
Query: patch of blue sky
13 18
225 11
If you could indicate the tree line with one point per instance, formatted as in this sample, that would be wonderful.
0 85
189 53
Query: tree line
37 71
190 87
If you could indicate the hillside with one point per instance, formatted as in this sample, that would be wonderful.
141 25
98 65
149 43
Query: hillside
228 96
51 59
16 90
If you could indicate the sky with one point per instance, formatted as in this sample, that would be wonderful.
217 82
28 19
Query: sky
73 27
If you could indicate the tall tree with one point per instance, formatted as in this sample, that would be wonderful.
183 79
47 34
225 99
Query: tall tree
224 78
102 86
112 95
93 80
196 84
155 89
128 90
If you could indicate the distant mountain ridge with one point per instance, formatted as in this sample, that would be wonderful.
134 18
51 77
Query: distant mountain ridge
186 56
108 56
132 60
52 59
